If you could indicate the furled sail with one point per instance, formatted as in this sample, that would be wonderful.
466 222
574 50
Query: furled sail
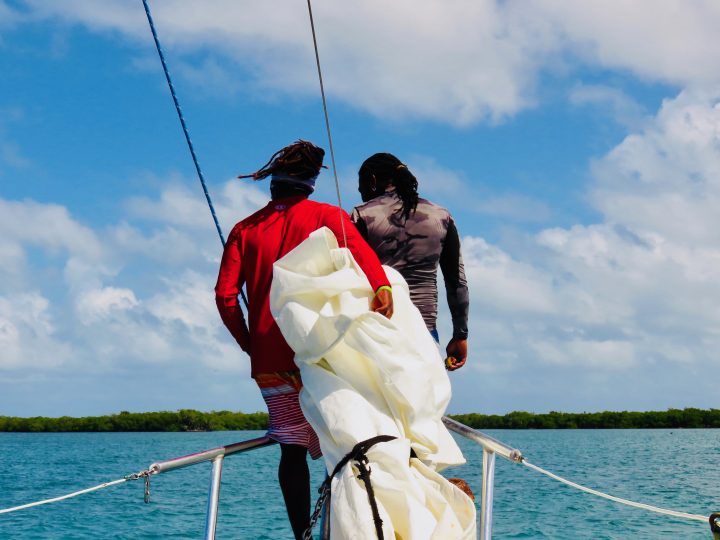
364 376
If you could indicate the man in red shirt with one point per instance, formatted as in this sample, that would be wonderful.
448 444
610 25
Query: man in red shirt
252 247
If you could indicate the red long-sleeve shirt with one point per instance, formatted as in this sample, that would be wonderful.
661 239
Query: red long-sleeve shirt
251 249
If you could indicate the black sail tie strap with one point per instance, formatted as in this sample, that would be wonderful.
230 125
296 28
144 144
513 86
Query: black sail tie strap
715 525
359 455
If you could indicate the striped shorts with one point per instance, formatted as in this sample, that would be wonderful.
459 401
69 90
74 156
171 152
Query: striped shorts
281 392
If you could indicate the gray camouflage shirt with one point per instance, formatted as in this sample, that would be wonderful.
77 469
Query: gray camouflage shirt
415 247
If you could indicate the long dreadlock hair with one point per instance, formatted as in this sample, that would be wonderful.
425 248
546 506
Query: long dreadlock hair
301 160
388 169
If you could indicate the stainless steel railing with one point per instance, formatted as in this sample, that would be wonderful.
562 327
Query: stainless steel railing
490 446
216 455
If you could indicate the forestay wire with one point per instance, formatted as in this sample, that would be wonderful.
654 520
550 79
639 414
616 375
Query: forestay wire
327 121
185 129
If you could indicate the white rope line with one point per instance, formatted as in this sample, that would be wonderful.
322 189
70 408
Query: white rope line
63 497
643 506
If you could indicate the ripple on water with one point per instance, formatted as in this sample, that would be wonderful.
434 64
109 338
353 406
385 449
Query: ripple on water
660 467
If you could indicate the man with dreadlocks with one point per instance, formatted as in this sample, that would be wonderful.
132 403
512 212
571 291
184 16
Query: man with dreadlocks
414 236
252 247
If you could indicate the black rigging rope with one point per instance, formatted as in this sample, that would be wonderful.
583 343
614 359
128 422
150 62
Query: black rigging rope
358 454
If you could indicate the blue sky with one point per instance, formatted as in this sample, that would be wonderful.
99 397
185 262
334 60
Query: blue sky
577 147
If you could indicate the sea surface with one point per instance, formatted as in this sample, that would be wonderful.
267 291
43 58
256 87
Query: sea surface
676 469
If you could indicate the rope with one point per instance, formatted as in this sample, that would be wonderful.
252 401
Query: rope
364 475
358 453
185 130
674 513
327 120
76 493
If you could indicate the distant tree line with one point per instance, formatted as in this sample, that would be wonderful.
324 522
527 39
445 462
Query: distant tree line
672 418
182 420
191 420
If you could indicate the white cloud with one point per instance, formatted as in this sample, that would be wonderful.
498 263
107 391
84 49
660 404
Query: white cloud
602 354
461 61
182 207
142 296
183 231
667 178
48 226
635 294
189 302
177 206
594 304
186 300
12 259
454 62
667 40
502 284
98 304
114 14
167 244
238 199
633 300
28 337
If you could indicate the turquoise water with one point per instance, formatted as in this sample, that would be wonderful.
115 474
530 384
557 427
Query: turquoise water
676 469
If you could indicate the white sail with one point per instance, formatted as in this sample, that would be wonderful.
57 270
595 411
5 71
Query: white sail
363 376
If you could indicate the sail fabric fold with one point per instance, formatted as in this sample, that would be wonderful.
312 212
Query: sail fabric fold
365 375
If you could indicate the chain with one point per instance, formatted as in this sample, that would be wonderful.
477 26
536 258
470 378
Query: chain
146 495
324 492
146 476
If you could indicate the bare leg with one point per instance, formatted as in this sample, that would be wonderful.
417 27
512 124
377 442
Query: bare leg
294 477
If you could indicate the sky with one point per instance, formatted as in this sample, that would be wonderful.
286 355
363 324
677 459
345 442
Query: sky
577 145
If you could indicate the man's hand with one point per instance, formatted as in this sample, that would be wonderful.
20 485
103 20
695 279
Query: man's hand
457 349
382 302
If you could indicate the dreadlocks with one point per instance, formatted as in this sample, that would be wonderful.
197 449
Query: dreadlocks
389 170
301 160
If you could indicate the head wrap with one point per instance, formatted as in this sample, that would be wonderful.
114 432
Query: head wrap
278 178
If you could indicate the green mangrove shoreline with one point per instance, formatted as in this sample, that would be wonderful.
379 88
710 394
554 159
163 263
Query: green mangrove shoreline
192 420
